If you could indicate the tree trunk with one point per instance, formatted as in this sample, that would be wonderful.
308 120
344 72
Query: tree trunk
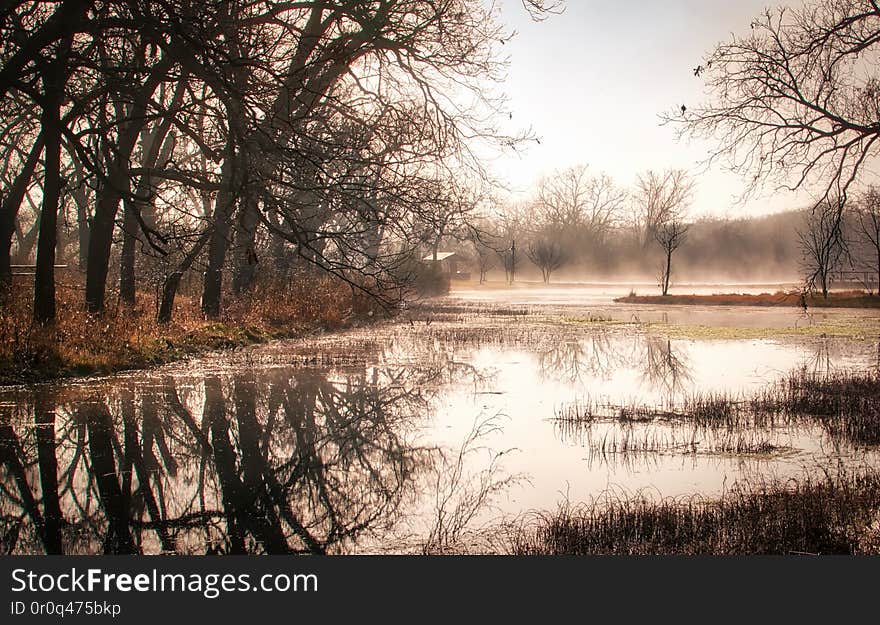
172 282
27 241
245 239
667 273
169 292
10 207
213 282
44 275
100 244
224 208
126 263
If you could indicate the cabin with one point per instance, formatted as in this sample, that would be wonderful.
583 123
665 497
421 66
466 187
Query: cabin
447 264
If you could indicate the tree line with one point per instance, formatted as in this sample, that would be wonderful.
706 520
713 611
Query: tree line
229 137
586 225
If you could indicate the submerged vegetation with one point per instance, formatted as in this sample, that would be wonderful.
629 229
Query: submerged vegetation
839 328
835 514
845 404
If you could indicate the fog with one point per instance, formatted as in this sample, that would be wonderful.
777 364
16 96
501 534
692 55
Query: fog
762 250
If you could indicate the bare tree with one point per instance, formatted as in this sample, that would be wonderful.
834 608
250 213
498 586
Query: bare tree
512 226
580 204
484 252
670 235
547 254
868 219
540 10
822 244
795 101
660 198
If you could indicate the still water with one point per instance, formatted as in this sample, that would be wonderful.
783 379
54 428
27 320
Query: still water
432 432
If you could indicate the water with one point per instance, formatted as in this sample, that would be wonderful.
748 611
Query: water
430 432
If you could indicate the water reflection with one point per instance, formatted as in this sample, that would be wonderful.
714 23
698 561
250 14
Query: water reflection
597 355
292 461
405 437
662 365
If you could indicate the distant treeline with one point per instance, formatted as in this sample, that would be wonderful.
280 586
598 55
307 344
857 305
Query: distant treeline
755 249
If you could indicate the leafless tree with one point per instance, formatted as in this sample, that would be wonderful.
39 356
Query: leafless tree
822 244
511 231
484 253
794 102
868 219
670 235
579 203
547 254
660 198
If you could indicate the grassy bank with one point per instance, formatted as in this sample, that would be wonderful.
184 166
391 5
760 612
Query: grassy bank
128 337
829 515
841 299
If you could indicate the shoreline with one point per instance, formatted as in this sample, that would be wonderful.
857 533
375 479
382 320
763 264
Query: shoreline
843 299
213 337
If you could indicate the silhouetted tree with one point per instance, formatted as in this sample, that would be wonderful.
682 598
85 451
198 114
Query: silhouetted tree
581 209
823 244
868 219
660 198
547 254
670 235
794 102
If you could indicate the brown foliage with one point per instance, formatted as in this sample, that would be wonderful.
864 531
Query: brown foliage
841 299
79 343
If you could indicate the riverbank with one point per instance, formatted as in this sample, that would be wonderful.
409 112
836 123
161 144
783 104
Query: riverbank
129 338
840 299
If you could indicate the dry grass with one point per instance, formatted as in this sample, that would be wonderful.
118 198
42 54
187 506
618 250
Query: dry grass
846 404
830 515
129 337
838 299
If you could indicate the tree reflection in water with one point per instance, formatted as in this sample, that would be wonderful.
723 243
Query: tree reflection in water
288 461
662 365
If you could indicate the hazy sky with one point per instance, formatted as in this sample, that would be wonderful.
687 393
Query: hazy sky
592 81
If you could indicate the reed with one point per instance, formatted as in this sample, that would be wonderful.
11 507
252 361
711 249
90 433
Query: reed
818 515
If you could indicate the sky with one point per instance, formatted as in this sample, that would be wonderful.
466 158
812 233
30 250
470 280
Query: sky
592 82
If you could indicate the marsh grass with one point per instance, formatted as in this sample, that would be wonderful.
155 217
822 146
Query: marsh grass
845 404
620 443
834 514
